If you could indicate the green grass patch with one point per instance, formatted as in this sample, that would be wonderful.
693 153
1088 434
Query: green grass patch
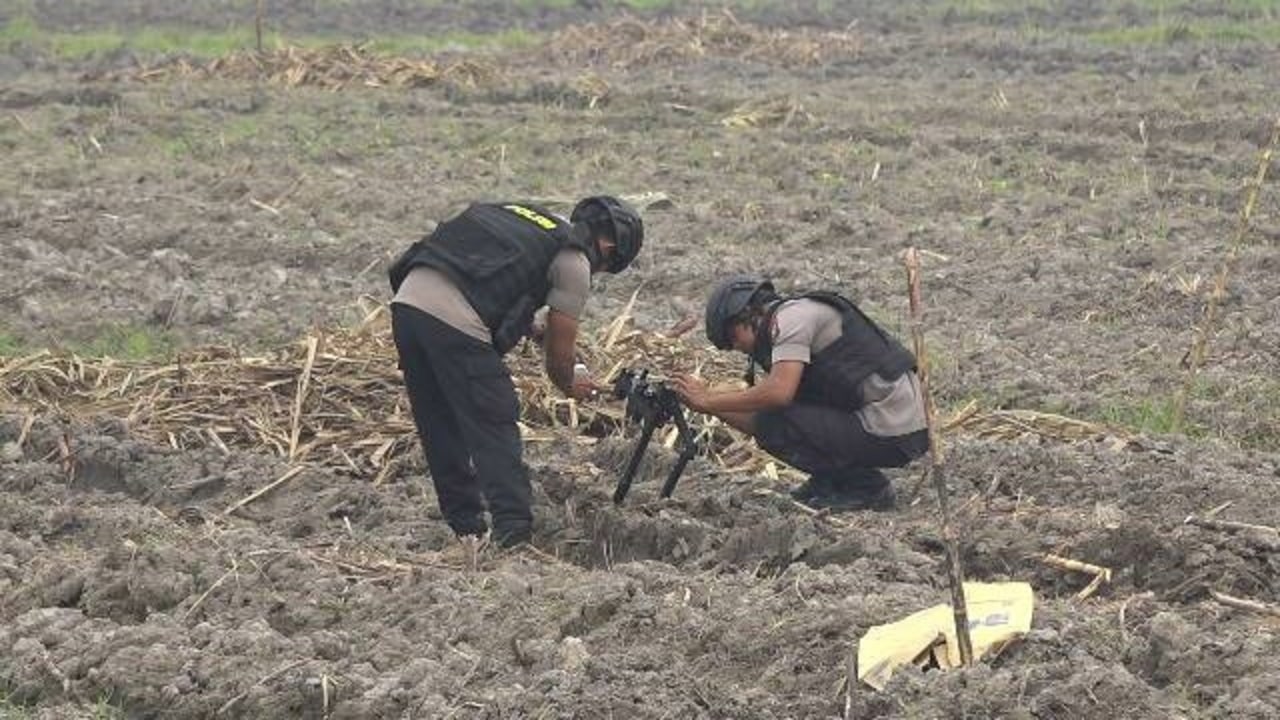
1207 31
987 9
1222 7
10 345
637 5
976 9
1153 415
10 710
128 342
22 30
104 709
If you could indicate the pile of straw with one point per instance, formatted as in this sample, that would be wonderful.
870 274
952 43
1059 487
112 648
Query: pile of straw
625 43
777 112
1011 424
629 42
333 68
336 398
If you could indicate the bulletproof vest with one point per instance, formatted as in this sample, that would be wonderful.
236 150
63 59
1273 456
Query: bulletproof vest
498 256
834 376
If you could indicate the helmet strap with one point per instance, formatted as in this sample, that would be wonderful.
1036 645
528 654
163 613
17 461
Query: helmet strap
581 236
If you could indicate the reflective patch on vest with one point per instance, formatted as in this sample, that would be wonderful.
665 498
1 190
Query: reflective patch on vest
536 218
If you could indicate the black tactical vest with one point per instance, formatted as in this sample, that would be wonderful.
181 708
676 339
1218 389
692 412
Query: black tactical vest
498 256
834 376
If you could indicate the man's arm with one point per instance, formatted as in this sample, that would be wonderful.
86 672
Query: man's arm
560 346
776 390
570 279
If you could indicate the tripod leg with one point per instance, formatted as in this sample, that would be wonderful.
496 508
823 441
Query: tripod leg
624 484
688 448
670 485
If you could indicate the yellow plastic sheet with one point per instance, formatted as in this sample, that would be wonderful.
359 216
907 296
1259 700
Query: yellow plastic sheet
998 614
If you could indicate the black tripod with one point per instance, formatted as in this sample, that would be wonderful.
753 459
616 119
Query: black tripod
653 404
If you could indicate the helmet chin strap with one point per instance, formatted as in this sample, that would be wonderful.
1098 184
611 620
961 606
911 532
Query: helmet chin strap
581 234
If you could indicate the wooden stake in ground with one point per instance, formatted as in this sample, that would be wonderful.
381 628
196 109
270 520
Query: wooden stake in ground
257 22
937 470
1200 345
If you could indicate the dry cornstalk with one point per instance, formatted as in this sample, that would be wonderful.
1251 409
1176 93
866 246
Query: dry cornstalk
286 477
936 466
1219 508
263 681
1243 604
1100 574
1200 345
850 679
27 424
1229 525
615 327
217 583
300 396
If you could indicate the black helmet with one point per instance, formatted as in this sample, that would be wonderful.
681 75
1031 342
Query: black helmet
732 296
619 219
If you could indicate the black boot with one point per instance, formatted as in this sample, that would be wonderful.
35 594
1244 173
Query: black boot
818 485
513 536
858 488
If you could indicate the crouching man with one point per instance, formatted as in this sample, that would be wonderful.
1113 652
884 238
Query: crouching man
840 399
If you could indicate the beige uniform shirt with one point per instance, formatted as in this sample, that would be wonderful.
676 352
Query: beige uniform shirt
803 328
432 292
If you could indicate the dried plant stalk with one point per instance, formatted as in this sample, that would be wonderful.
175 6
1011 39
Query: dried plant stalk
1200 345
937 469
1100 574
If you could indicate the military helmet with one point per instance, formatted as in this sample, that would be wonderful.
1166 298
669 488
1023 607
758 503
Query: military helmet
729 299
622 221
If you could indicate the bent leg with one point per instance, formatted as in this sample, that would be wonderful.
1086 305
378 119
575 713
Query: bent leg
834 447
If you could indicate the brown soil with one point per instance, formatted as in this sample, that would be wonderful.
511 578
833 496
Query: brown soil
1082 196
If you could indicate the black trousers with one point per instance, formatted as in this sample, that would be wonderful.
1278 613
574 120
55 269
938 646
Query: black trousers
465 408
822 440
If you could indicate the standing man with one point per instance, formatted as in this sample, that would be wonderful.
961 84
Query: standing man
464 296
841 398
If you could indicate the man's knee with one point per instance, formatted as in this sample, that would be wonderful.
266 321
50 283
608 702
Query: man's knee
785 436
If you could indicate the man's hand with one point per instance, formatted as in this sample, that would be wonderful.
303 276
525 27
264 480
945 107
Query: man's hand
777 390
585 389
538 331
693 392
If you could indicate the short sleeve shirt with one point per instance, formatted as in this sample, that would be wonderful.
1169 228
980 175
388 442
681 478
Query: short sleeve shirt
803 328
432 292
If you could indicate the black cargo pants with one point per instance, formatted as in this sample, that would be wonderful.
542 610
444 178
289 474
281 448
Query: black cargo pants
465 408
830 443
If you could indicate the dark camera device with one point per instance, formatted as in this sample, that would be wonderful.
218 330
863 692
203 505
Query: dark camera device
653 404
